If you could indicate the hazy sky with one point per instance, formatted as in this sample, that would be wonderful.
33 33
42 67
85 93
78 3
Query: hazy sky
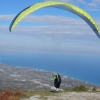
49 30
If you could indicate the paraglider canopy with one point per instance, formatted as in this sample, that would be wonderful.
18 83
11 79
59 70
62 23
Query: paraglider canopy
61 5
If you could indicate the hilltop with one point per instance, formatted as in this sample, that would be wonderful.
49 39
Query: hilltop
48 95
44 95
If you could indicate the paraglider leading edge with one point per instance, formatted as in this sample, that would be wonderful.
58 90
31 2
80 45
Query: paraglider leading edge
61 5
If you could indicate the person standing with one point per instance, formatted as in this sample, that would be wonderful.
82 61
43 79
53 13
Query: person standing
57 81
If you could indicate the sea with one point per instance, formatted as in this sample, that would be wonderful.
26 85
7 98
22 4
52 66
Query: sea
81 67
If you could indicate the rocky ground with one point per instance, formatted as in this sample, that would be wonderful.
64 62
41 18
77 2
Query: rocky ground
68 96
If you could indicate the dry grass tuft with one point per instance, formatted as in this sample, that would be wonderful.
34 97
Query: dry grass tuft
8 94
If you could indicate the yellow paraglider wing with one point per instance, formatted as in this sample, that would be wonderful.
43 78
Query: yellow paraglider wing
62 5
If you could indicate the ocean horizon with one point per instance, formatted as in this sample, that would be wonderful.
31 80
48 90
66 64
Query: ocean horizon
81 67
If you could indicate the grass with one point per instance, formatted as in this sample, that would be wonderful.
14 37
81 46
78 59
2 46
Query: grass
42 93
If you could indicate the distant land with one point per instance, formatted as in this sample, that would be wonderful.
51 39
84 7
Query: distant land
13 77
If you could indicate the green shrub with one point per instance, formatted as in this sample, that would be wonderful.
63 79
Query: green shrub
79 88
94 89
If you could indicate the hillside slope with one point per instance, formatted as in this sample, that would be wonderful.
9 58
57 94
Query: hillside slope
28 79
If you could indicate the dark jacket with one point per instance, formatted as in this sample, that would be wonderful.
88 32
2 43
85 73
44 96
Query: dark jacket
57 81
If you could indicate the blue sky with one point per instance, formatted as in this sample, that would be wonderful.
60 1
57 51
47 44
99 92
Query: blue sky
49 30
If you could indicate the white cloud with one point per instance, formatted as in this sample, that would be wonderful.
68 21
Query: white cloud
89 5
96 1
65 0
46 19
6 17
94 5
53 20
59 29
59 36
54 32
82 1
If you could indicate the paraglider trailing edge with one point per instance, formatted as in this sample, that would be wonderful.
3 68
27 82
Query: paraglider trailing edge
61 5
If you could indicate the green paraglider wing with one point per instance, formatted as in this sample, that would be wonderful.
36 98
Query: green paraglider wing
62 5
